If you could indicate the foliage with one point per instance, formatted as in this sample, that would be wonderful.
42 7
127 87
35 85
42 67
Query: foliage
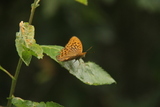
85 2
26 45
18 102
88 72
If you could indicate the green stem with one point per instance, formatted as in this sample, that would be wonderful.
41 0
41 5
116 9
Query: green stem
33 8
31 15
14 81
6 72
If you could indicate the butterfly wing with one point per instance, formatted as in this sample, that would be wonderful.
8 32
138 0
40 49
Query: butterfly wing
72 50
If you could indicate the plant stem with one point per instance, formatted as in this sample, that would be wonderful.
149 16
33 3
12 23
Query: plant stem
31 15
14 81
33 8
6 72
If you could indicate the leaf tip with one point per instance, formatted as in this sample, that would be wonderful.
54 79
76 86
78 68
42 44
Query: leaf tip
85 2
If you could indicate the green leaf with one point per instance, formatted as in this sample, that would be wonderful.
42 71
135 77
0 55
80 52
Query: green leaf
36 50
85 2
51 50
88 72
18 102
50 104
25 43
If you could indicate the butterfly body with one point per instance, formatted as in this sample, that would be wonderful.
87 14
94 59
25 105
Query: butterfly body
72 50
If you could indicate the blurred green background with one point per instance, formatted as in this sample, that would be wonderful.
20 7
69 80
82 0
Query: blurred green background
124 34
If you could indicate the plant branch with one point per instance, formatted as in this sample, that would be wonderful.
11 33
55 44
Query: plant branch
14 81
33 8
6 72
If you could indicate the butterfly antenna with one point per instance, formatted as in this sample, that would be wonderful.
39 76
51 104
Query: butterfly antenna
89 49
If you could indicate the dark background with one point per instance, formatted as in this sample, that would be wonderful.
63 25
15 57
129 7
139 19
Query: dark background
125 35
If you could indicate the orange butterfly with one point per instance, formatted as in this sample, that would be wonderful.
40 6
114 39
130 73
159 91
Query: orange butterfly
72 50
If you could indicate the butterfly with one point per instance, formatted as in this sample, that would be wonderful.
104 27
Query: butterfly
72 50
